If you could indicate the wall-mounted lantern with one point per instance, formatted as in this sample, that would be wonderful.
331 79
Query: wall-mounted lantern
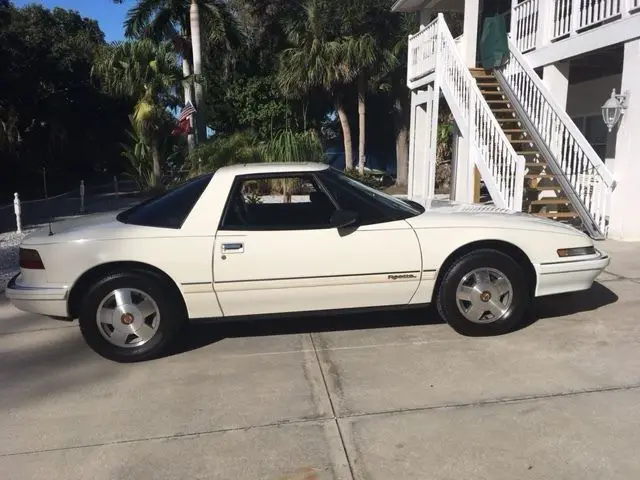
613 108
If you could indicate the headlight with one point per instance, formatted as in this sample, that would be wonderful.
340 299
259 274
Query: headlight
576 252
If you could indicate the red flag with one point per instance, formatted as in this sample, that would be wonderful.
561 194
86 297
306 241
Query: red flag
183 127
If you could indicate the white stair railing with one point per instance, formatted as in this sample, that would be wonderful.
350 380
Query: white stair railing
590 181
501 168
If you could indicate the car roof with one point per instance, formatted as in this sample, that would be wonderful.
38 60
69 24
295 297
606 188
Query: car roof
276 167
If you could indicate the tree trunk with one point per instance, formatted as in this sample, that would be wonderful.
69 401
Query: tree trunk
155 155
402 155
402 120
362 86
346 134
188 97
201 128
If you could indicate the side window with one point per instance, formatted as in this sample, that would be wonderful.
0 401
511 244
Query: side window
356 199
277 203
169 209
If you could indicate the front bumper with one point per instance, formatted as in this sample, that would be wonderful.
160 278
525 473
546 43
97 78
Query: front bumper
41 299
570 275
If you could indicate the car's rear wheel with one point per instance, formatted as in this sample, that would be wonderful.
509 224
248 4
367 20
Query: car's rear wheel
484 293
130 317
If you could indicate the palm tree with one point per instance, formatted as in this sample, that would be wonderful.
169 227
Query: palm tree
358 55
393 79
196 49
364 29
313 61
181 22
147 73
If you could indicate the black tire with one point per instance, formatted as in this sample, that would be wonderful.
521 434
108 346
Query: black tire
447 301
171 311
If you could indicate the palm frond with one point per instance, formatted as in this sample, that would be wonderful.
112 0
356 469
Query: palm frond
139 16
292 147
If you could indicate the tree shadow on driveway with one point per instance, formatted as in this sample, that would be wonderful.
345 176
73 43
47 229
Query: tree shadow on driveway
203 334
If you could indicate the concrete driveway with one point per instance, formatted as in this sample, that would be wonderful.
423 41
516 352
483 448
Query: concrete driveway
376 397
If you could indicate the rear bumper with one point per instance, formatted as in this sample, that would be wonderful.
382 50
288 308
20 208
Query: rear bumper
41 299
569 276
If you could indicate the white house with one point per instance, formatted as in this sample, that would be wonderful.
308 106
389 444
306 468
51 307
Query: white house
534 127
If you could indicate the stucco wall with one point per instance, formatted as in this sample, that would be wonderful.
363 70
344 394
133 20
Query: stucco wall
586 98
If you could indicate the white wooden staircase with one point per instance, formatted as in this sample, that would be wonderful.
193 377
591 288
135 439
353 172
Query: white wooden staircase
543 195
530 154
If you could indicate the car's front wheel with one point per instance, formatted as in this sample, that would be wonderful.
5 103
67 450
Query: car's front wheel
130 317
484 293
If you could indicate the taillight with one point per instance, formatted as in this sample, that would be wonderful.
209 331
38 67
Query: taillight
30 259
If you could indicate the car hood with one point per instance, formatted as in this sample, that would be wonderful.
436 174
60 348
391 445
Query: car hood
446 213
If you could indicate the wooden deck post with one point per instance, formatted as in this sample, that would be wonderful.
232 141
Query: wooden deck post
476 185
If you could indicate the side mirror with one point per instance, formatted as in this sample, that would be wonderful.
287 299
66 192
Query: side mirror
343 218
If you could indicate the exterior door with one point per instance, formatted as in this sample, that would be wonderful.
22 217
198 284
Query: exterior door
275 252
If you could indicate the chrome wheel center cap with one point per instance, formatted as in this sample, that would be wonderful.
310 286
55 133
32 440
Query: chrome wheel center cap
485 296
127 319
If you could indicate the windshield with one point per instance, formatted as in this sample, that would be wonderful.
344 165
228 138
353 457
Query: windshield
370 203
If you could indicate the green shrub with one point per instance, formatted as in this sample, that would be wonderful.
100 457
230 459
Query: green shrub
222 150
368 179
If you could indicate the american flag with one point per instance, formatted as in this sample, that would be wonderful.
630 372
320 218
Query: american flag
187 111
183 125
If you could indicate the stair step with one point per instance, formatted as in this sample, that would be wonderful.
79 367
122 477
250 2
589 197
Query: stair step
534 164
513 130
521 140
488 84
556 214
545 188
504 100
528 152
539 175
508 120
481 74
503 110
551 201
492 92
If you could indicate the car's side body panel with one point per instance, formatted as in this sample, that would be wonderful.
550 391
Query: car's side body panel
186 260
438 243
264 272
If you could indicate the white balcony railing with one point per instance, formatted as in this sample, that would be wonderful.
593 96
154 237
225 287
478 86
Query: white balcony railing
588 14
525 21
567 17
422 48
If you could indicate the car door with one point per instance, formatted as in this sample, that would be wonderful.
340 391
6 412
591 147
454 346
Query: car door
274 256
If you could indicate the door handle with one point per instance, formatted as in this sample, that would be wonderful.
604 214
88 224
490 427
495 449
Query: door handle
232 247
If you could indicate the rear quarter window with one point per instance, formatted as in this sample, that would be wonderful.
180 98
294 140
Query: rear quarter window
170 209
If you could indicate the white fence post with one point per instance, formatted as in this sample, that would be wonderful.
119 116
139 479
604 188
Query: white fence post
18 211
115 186
81 196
